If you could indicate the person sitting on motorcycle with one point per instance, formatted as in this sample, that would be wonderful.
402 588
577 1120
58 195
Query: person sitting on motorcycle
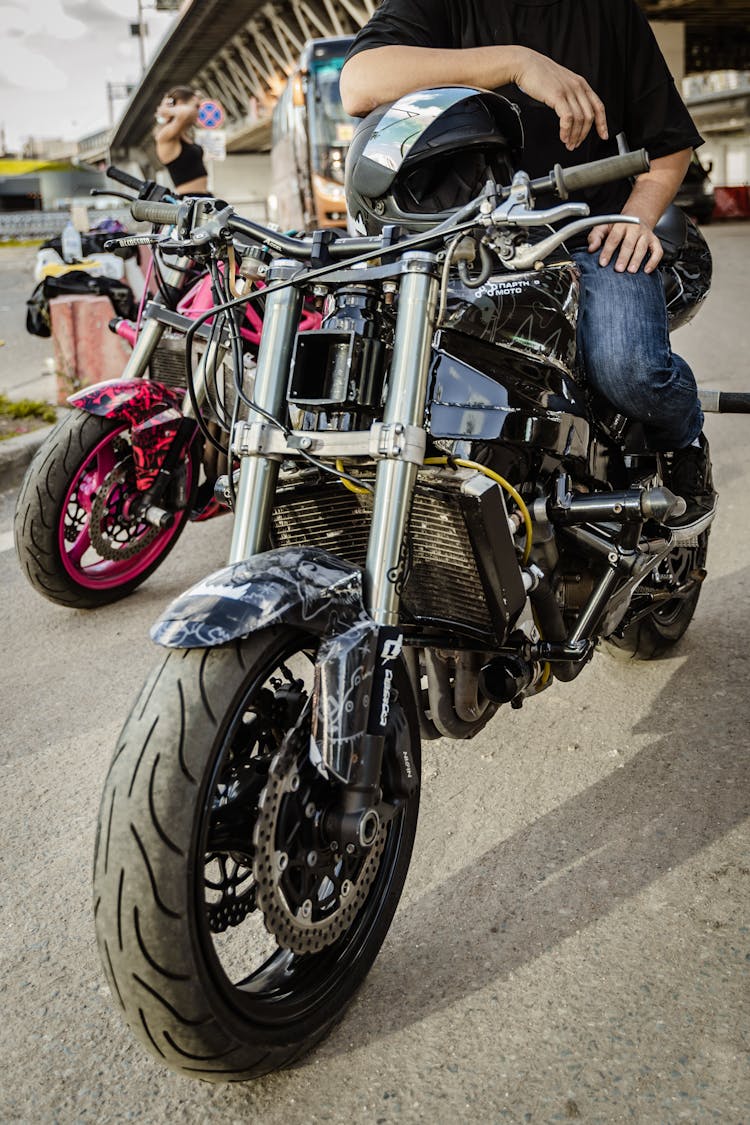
182 157
581 73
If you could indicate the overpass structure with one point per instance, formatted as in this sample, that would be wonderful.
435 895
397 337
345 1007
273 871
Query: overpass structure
241 52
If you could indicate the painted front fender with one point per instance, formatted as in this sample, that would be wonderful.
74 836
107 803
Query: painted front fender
302 586
134 399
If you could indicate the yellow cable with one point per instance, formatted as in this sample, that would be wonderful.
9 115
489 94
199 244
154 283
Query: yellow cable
503 484
347 483
512 492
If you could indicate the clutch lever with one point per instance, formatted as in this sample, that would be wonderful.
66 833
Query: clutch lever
109 191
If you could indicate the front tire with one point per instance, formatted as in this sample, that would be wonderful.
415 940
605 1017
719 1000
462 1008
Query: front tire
74 539
191 960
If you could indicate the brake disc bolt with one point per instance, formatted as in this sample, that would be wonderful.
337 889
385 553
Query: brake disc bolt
306 908
312 859
346 888
282 861
294 783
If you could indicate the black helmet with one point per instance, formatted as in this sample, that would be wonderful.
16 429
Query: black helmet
429 153
686 267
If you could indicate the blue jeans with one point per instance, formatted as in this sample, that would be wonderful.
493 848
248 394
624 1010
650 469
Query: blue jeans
623 343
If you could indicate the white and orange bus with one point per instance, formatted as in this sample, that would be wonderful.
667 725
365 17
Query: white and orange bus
310 135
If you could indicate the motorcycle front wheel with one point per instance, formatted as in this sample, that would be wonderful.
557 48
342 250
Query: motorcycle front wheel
76 539
234 932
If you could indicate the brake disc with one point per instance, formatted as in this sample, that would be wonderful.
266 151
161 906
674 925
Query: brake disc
309 890
108 521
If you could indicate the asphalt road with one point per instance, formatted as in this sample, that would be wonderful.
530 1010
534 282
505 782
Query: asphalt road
573 939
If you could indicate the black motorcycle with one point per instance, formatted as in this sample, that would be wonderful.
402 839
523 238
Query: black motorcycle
432 518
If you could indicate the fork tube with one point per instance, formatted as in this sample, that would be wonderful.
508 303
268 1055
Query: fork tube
258 475
211 360
152 331
394 481
140 357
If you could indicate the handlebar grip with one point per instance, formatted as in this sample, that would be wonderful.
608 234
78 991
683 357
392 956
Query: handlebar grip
124 178
146 211
600 171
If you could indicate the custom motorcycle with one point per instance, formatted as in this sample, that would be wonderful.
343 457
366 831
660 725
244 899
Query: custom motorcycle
107 495
432 518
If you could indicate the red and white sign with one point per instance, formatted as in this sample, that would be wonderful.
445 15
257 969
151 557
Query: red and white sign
210 114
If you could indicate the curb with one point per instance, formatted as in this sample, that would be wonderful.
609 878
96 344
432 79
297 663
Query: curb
16 454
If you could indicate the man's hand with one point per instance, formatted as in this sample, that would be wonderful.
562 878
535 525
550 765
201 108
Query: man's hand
570 95
631 243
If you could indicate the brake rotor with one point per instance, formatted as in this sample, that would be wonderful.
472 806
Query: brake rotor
113 535
309 891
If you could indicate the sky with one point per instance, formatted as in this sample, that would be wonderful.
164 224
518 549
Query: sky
56 57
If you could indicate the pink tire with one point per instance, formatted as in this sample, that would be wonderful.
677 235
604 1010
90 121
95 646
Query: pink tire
75 537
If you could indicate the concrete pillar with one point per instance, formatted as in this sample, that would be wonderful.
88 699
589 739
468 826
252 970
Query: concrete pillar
244 180
670 35
85 350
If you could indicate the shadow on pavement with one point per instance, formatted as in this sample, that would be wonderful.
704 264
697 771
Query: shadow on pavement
591 855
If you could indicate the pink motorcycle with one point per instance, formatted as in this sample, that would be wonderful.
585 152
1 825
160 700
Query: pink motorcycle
109 492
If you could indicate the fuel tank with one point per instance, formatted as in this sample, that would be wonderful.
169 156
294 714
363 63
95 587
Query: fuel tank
503 367
534 314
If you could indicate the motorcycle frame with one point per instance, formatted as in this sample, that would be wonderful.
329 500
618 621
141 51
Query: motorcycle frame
163 420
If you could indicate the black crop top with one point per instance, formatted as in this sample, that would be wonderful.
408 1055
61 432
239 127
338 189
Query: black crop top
188 165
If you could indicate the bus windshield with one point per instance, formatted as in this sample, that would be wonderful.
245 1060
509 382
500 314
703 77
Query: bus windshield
330 128
310 137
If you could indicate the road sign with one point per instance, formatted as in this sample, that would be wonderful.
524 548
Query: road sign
210 114
214 143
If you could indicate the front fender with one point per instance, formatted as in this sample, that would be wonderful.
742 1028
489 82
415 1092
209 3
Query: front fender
302 586
308 588
134 399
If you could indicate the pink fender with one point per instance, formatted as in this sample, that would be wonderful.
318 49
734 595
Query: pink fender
153 411
134 399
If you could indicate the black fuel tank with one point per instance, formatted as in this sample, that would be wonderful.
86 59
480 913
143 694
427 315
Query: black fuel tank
502 368
534 313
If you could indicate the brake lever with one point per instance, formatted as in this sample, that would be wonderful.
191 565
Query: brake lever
519 217
526 257
131 240
198 238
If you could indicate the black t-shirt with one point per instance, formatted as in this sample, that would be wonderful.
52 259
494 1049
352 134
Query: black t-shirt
608 42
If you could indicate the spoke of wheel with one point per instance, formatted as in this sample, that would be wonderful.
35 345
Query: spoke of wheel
105 463
80 545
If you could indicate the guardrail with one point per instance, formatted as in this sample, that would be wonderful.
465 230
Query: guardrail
47 224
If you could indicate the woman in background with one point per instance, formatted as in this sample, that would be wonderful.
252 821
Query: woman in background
175 147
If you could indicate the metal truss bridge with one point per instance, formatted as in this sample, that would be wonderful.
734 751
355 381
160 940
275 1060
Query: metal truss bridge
241 51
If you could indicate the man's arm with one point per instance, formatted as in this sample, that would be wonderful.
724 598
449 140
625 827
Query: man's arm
382 74
651 195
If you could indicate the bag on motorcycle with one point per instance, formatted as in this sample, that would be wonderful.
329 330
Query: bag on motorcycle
72 283
37 313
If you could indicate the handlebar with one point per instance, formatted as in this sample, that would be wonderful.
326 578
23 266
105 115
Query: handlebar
565 180
125 178
149 211
560 180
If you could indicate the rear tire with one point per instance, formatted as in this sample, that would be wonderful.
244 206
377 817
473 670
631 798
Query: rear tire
53 523
657 632
180 804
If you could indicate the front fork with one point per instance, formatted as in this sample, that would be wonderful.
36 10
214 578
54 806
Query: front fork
151 333
351 740
405 404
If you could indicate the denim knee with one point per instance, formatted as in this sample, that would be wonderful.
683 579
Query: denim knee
623 340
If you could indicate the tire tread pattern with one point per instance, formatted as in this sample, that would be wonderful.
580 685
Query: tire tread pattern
142 882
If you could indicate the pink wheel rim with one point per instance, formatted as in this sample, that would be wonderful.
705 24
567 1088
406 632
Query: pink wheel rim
80 558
